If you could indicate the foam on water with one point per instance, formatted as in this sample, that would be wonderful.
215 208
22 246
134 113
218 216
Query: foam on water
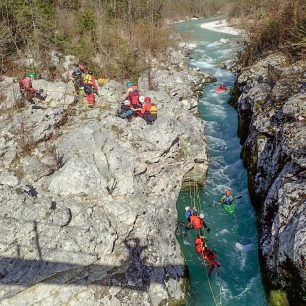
224 231
244 248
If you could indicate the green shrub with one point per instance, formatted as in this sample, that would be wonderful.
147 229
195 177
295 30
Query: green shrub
86 23
273 25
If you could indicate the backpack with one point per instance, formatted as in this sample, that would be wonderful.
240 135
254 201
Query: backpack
88 89
153 109
133 96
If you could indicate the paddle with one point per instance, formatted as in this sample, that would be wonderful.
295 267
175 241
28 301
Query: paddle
215 204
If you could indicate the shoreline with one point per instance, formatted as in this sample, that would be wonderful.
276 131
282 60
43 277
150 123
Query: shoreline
221 26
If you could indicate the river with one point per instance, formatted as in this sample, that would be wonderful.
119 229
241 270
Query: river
234 237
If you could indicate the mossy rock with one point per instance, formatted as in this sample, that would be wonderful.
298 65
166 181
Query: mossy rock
278 298
181 302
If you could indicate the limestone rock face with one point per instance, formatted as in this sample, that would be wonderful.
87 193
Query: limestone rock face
88 200
272 115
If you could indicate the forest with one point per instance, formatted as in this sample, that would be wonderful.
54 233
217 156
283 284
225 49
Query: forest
117 37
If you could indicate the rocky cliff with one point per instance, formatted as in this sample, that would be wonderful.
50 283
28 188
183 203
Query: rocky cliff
272 125
87 199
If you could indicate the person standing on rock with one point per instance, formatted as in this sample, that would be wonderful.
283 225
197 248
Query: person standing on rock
26 88
77 78
90 87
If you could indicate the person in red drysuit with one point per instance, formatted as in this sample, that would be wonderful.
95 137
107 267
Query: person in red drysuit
90 87
196 222
211 257
26 88
200 244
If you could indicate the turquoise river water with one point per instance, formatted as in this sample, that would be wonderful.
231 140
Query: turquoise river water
234 237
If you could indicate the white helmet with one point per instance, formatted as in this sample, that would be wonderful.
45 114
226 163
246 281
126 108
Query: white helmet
187 208
126 102
141 99
201 215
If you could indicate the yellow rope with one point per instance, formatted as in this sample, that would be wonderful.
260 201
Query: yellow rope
197 203
211 289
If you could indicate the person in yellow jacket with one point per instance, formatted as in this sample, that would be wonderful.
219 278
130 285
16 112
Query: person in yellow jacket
90 87
149 111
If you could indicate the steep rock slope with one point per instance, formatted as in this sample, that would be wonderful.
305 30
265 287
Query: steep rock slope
87 199
272 122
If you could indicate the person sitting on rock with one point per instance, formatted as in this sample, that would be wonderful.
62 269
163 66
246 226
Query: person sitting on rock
132 94
125 110
90 87
26 88
149 111
136 107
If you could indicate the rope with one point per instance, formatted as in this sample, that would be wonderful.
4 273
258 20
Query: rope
197 205
210 287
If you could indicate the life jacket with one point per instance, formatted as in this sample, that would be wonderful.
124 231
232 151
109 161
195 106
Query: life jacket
88 79
188 214
227 200
153 109
88 89
199 249
134 95
196 221
197 241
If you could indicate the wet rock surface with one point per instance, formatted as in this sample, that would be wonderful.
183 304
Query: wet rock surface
272 122
88 200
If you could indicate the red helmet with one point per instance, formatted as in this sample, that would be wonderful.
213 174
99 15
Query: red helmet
147 99
227 192
82 67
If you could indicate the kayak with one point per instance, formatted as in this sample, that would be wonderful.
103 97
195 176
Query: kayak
229 208
219 90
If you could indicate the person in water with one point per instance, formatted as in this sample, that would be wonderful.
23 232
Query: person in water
211 257
189 211
196 222
208 255
227 199
200 244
